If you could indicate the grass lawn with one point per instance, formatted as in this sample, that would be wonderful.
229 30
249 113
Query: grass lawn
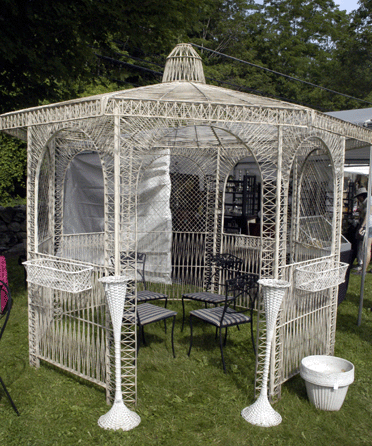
183 401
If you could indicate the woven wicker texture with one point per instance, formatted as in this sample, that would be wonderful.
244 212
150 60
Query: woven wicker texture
59 275
184 64
260 412
319 276
273 292
119 416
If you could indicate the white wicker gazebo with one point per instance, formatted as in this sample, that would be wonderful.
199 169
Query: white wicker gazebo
161 157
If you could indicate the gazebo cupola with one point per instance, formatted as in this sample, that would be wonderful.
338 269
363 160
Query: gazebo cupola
184 64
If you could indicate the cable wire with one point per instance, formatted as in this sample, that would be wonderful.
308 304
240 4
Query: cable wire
280 74
236 86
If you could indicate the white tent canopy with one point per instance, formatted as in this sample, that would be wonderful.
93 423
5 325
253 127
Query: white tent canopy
357 170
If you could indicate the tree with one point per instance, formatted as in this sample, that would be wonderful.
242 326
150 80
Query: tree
48 48
231 27
299 38
353 56
12 169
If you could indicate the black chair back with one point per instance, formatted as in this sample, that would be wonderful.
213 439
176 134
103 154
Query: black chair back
221 268
240 286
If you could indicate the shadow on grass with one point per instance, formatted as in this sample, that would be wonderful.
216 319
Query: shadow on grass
296 386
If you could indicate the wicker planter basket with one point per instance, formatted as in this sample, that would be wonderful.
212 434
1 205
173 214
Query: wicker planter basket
327 380
59 275
320 275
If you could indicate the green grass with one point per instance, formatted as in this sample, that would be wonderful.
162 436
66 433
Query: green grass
183 401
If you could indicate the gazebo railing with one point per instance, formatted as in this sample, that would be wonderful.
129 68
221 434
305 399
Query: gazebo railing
72 330
305 326
88 247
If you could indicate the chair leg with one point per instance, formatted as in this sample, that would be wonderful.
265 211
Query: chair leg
183 313
165 321
9 397
143 334
174 321
221 347
190 335
224 342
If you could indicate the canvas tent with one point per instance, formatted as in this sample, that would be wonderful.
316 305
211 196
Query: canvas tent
363 118
354 161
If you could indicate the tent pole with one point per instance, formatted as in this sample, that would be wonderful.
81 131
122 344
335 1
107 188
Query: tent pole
365 241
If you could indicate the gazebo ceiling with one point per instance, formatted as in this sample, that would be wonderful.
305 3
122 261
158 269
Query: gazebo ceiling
184 96
204 136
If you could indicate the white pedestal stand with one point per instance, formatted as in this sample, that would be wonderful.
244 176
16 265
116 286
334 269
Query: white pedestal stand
119 416
260 412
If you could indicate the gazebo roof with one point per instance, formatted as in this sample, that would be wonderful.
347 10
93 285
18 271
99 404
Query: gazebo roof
183 94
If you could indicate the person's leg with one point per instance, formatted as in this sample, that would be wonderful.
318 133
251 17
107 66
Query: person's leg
369 245
360 254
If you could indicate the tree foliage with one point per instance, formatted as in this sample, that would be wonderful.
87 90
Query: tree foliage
12 169
48 48
354 54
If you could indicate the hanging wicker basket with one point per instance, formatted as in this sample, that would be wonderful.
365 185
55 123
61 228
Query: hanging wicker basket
59 275
320 275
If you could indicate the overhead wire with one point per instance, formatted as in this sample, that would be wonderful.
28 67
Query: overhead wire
239 87
236 86
126 64
280 74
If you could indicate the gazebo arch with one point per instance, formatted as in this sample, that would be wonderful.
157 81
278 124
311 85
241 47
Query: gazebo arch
176 142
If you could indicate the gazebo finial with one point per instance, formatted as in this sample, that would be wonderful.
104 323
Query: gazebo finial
184 64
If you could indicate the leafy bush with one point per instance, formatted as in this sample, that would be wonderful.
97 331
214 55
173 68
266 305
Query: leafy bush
13 162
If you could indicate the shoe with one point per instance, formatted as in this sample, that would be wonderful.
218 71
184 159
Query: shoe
357 268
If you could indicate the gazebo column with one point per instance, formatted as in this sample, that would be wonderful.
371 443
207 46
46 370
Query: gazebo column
278 208
117 196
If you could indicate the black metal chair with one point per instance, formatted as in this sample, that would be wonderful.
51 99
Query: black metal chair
221 267
6 300
224 316
144 295
149 313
